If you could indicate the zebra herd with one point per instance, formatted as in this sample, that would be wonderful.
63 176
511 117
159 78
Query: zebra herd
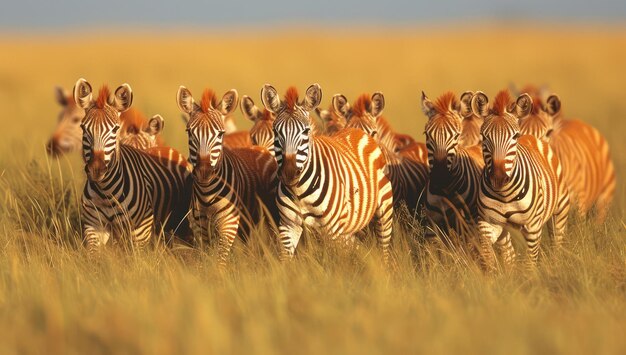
510 165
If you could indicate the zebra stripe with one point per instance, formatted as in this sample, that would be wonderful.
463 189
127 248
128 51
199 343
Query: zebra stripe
227 183
455 171
588 169
333 184
521 186
128 192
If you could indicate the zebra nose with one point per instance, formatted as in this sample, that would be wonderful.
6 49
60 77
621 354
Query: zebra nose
96 167
53 148
203 169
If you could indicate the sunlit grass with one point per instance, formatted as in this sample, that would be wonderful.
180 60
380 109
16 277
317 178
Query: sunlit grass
328 300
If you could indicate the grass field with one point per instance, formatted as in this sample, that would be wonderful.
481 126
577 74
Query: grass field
54 299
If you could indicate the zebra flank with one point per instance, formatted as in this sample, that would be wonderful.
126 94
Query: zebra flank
522 184
408 176
229 184
128 193
455 171
333 184
588 168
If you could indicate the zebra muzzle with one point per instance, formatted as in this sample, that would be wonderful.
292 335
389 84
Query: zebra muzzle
289 171
96 167
203 170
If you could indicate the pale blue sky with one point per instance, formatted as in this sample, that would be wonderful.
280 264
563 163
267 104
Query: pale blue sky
30 15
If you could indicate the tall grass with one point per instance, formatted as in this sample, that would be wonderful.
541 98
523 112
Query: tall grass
328 300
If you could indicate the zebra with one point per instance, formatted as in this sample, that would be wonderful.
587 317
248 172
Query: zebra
522 184
455 171
262 132
135 130
588 169
470 126
408 177
127 192
227 183
333 184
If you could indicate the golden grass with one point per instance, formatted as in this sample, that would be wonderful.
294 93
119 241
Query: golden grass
54 299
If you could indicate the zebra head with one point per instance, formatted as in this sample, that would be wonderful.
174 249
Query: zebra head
470 131
292 128
443 130
500 132
67 134
138 137
363 115
540 122
262 132
101 125
206 128
331 122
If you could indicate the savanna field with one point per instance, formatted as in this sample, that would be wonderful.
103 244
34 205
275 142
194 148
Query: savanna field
53 298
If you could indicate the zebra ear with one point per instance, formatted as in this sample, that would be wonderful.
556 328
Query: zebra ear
480 104
83 94
313 97
270 98
465 107
122 98
61 95
155 125
523 106
341 106
229 102
553 105
428 107
185 101
249 109
378 104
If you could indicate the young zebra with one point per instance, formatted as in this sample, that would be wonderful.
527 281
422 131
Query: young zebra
335 184
521 186
584 153
227 183
262 132
408 177
135 130
455 171
128 192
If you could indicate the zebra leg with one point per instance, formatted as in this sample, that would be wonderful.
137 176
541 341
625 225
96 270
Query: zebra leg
384 217
141 234
558 221
504 246
290 225
227 227
94 238
489 234
532 245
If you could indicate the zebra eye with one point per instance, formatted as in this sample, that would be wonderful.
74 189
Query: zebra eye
516 136
116 128
306 130
549 133
220 135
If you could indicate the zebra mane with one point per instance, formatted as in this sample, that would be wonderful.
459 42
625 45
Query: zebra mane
133 121
209 100
537 104
362 105
103 97
500 103
291 98
445 102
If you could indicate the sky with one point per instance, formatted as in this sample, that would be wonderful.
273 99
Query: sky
30 15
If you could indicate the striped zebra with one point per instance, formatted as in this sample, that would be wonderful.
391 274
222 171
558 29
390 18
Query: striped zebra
333 184
262 131
128 192
229 185
455 171
408 177
584 153
67 137
521 186
331 121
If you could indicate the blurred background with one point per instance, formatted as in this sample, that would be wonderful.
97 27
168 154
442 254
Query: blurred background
399 47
